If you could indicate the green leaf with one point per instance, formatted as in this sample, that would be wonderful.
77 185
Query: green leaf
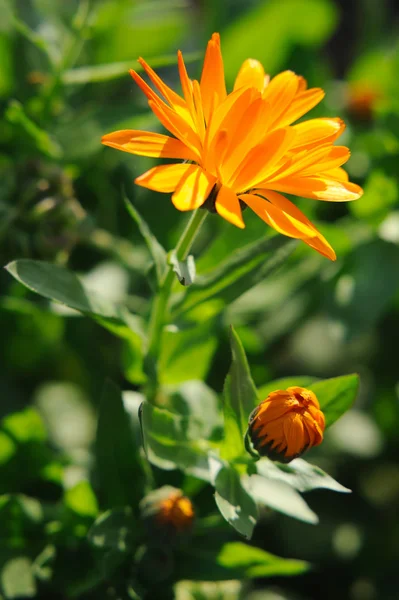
59 284
234 560
300 475
279 496
336 395
113 530
17 580
25 426
187 353
184 269
81 500
237 274
119 471
380 195
255 562
172 441
110 71
239 398
157 252
15 114
234 502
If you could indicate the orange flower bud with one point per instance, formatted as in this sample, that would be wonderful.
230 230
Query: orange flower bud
167 510
286 424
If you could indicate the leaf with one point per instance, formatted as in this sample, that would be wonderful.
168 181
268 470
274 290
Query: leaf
234 502
237 274
110 71
336 395
300 475
239 399
17 579
157 252
172 441
255 562
113 530
194 399
279 496
81 500
15 114
25 426
234 560
184 269
59 284
118 466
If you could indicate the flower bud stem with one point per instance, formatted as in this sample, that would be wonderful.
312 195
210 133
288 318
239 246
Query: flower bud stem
159 312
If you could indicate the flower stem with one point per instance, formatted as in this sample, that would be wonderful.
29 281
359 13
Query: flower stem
158 316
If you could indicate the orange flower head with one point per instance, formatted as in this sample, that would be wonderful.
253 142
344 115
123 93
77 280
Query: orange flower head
242 149
286 424
362 98
176 510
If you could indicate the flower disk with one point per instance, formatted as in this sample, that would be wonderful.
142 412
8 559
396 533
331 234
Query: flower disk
242 146
286 424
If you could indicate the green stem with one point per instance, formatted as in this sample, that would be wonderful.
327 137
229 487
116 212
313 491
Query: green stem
158 316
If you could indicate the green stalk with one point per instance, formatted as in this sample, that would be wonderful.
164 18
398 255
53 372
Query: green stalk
159 312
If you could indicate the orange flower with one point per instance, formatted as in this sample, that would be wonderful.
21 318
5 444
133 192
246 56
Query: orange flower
241 149
286 424
177 511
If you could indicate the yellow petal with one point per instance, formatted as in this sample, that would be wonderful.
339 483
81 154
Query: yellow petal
212 78
251 74
301 104
178 126
186 84
164 178
146 143
193 189
316 131
228 206
280 93
337 156
262 159
174 99
319 188
281 221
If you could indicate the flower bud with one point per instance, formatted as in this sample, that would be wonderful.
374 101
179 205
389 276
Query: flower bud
286 424
167 510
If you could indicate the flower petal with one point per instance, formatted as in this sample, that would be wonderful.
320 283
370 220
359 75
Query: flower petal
212 78
251 74
317 131
164 178
174 99
280 93
178 126
193 189
147 143
301 104
319 188
228 206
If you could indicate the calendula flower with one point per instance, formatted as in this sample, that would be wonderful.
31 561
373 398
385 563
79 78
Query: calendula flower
286 424
241 149
362 99
167 509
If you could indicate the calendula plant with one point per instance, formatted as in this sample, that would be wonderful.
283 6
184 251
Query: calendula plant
234 150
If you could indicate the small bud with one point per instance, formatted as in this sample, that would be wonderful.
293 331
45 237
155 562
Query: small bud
167 510
286 424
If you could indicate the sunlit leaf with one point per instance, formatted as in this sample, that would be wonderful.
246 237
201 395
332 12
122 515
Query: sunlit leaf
235 503
336 395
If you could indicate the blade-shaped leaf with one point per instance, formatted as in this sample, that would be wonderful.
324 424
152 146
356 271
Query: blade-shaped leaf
241 271
59 284
184 269
300 475
279 496
157 252
119 470
172 441
336 395
234 560
239 399
234 502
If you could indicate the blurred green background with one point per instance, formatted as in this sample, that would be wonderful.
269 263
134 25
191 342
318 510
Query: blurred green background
63 83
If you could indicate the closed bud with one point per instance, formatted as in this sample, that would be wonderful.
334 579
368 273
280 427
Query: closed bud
167 512
286 424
